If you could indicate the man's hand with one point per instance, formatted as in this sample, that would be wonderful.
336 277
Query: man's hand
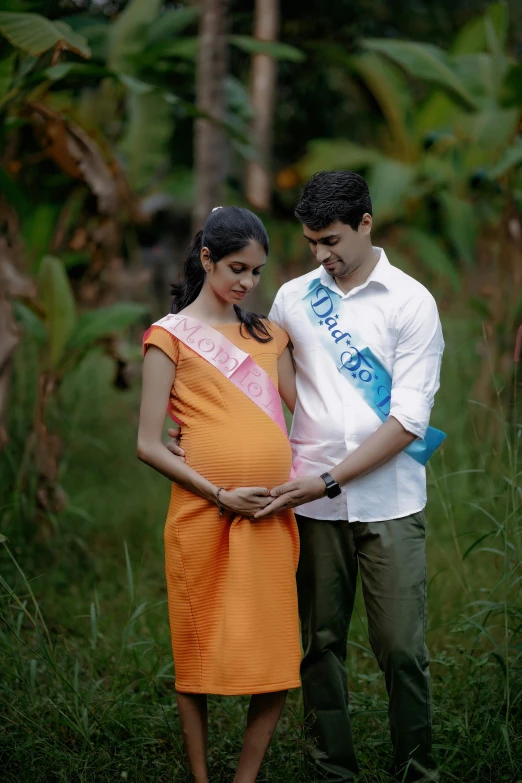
173 444
294 493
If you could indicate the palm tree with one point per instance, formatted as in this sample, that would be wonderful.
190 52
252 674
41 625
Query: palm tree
262 97
209 136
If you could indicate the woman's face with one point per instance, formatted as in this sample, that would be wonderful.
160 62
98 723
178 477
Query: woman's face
234 276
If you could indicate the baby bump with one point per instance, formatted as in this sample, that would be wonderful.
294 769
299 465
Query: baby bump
245 457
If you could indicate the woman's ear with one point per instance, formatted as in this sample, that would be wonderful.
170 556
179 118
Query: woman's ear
204 257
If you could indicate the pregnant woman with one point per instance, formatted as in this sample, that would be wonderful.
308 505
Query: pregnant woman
231 580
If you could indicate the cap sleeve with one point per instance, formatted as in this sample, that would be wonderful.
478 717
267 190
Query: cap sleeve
163 340
280 336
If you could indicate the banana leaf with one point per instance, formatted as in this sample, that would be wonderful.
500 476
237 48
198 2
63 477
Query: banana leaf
430 254
390 183
129 32
57 300
35 34
275 49
473 37
148 134
460 225
6 74
103 322
423 61
172 22
389 88
326 154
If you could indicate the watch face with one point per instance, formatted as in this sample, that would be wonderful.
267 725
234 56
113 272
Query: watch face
332 487
333 491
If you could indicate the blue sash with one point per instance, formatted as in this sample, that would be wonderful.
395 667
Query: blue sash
361 368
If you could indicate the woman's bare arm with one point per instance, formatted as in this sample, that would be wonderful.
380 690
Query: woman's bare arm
158 376
286 374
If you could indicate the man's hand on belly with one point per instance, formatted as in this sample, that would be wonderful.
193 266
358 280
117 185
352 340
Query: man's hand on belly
294 493
173 444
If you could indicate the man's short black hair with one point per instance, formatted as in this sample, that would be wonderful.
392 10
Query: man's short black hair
331 196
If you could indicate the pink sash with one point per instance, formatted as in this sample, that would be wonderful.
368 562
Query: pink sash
231 361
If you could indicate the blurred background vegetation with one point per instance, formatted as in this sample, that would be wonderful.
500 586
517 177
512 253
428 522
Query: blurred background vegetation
121 125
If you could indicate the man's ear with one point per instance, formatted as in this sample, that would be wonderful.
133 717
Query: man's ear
365 226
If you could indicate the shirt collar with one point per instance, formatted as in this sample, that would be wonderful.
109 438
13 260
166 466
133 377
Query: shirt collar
380 274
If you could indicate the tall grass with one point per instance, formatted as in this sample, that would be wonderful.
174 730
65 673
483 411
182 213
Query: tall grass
86 692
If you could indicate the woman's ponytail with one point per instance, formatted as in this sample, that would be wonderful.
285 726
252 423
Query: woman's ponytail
187 289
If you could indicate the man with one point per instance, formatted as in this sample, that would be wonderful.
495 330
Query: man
367 345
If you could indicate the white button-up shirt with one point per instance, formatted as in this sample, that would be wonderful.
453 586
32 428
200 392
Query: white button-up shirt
397 319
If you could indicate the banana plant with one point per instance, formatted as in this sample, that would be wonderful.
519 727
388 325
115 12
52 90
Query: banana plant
63 335
63 338
445 172
142 58
147 52
462 130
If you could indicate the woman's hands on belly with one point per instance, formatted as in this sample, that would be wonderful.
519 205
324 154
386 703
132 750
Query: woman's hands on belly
245 501
240 460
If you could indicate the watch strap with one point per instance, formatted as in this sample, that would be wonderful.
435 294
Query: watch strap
332 487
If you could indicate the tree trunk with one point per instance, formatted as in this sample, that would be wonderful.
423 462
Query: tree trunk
262 96
210 139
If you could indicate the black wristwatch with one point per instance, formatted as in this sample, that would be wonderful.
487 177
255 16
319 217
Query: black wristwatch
332 487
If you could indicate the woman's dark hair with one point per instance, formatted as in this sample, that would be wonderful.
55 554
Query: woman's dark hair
227 230
331 196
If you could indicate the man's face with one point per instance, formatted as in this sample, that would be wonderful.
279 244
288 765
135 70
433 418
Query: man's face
339 248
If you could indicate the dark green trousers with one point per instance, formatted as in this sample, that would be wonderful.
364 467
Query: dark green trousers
391 557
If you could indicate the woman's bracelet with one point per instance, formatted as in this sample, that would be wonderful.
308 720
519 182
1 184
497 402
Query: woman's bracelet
219 504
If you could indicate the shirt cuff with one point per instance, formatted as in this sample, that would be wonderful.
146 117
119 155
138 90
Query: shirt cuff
412 410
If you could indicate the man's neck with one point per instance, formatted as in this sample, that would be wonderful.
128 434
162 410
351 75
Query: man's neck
361 274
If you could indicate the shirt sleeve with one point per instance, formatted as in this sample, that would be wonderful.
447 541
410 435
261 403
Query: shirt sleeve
416 369
280 336
163 340
276 314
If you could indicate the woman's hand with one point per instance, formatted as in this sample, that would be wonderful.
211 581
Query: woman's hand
245 501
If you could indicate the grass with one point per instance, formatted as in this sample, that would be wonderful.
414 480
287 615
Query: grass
86 692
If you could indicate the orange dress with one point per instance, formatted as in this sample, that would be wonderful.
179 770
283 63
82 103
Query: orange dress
231 582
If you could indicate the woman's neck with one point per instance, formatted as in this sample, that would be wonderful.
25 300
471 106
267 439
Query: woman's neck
210 308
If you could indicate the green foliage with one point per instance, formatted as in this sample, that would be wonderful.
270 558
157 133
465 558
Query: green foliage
59 306
149 131
461 222
336 153
431 254
7 65
424 61
390 91
63 70
35 34
390 182
510 158
476 34
103 322
64 337
431 152
128 32
171 23
277 50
